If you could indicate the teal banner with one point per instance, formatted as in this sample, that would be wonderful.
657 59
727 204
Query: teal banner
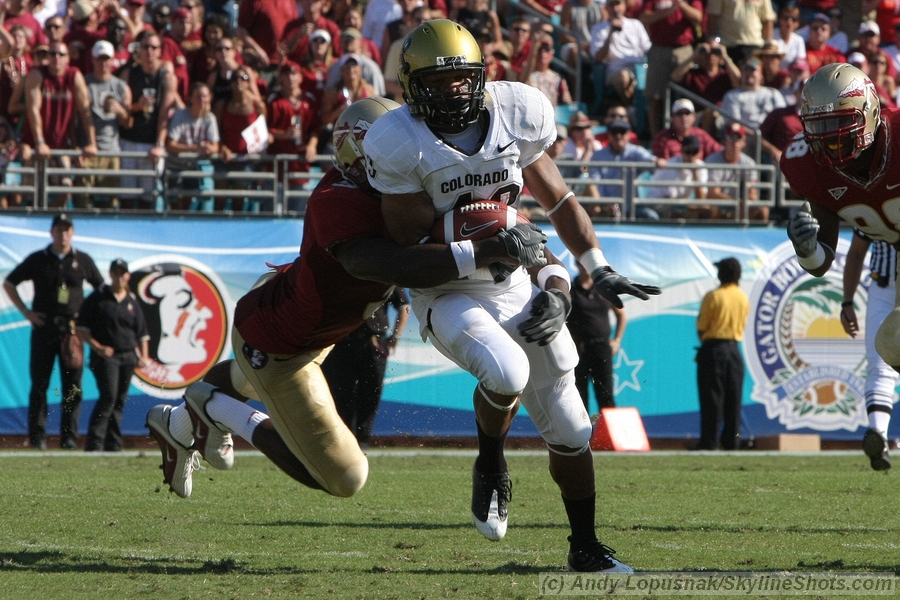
803 373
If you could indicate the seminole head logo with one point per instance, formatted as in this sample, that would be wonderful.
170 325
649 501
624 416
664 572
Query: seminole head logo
807 371
188 316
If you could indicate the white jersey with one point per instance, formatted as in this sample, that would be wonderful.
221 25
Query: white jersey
405 156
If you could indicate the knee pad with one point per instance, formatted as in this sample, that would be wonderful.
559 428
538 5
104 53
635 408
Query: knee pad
887 341
559 414
350 481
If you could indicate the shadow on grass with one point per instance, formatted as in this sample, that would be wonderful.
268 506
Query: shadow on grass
386 525
709 527
60 562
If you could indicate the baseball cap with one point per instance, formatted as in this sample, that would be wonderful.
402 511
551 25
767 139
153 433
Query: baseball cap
82 10
800 64
856 58
682 104
63 220
181 13
735 128
320 33
869 27
730 265
288 65
690 143
347 58
751 64
351 32
820 17
103 48
618 125
118 264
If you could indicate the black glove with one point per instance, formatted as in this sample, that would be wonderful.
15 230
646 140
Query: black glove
549 311
501 270
803 229
525 243
610 284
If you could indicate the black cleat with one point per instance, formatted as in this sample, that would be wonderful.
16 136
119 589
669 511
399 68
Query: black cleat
876 448
594 557
490 494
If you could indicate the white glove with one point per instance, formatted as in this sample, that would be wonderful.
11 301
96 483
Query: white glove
803 230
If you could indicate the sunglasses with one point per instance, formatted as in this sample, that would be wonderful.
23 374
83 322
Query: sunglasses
148 47
54 25
319 40
690 152
59 53
223 48
525 29
546 48
734 137
618 132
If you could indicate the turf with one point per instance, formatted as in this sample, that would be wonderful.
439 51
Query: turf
103 527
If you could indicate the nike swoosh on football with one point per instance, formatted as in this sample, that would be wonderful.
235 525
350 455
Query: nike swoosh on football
465 231
890 187
502 148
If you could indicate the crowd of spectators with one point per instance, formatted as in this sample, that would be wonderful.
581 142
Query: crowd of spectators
221 81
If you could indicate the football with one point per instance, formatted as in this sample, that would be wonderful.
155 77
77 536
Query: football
476 221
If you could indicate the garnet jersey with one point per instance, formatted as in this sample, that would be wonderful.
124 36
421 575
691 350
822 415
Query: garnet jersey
313 302
521 124
871 206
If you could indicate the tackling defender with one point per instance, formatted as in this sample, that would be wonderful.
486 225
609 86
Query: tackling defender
853 147
459 140
286 325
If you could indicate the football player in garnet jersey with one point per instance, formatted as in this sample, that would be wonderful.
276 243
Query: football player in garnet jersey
285 326
457 141
853 148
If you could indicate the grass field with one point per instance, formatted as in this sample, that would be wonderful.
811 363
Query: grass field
103 527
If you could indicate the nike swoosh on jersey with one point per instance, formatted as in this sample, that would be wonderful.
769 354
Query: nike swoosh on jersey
890 187
466 231
502 148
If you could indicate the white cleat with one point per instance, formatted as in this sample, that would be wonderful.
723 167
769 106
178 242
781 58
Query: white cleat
213 442
178 462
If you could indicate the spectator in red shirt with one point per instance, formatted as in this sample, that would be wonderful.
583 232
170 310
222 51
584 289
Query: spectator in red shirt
709 73
778 130
870 43
316 65
172 52
520 42
82 35
297 32
670 25
293 122
54 94
770 56
55 29
667 142
261 25
215 28
16 14
136 10
818 52
354 18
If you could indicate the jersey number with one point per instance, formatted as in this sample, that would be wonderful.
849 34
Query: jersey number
866 219
508 194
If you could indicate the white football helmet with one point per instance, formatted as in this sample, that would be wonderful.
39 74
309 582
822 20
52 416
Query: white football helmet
840 111
350 129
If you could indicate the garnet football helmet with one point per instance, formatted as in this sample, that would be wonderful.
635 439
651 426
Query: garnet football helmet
430 51
350 129
840 111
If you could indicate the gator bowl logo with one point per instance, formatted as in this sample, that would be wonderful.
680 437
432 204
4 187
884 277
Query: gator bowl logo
806 370
188 314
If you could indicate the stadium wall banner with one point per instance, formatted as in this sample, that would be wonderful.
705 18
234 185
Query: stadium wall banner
804 374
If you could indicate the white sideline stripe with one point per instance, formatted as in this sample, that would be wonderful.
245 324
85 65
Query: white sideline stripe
438 452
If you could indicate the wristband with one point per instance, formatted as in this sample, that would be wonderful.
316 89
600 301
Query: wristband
560 203
811 263
464 255
593 259
38 142
553 270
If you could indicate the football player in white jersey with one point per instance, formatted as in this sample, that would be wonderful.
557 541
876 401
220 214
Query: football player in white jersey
457 141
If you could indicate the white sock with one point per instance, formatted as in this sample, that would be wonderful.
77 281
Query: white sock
879 421
180 425
234 416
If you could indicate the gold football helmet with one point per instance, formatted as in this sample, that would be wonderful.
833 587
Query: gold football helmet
431 51
840 111
350 129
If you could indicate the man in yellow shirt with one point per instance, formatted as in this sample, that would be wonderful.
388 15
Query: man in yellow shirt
720 367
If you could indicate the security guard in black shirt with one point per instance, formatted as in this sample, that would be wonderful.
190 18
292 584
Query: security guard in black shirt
58 273
112 324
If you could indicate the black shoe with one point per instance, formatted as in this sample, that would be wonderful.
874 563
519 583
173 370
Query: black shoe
39 445
876 448
594 557
490 494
